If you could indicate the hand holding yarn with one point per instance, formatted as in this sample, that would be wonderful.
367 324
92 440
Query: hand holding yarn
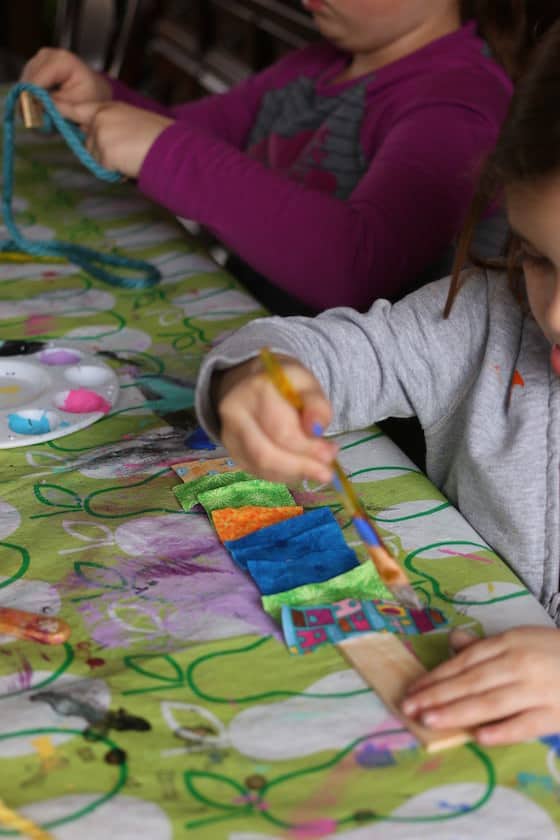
139 274
118 136
69 78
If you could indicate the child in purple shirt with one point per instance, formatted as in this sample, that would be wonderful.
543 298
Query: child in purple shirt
341 173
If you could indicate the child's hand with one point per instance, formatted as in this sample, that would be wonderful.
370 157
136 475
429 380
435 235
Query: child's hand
119 136
267 436
505 688
73 80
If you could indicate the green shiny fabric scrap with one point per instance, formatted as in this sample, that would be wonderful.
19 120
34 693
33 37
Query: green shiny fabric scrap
254 492
188 493
361 583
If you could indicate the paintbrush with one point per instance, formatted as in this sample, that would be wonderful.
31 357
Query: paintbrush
390 572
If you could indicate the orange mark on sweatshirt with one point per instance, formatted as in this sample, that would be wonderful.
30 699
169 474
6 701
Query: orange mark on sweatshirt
517 379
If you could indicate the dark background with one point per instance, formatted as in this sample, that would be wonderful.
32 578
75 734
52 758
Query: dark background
172 49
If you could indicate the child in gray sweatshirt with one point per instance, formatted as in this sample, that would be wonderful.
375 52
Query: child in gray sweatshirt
480 367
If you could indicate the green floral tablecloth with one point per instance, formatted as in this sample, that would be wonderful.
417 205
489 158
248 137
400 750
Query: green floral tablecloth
214 731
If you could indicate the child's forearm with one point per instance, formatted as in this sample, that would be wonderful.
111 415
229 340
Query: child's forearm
319 248
325 251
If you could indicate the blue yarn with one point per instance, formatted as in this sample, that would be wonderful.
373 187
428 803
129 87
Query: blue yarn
94 262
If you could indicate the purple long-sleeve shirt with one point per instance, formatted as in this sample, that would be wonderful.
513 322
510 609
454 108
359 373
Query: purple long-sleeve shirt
339 193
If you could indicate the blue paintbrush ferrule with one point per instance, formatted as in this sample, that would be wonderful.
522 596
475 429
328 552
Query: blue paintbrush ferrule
366 532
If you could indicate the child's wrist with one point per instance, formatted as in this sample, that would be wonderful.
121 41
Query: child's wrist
224 380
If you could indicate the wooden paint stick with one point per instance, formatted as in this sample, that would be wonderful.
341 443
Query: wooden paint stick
388 667
31 110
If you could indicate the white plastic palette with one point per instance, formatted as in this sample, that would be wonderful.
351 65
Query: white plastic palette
52 393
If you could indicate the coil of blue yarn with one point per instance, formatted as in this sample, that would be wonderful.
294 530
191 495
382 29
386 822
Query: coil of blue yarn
100 265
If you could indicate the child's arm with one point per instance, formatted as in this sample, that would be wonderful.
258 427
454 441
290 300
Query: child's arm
393 361
323 250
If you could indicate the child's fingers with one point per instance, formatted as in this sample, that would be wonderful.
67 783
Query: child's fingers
283 425
474 654
251 447
317 412
49 68
525 726
482 677
258 398
476 709
459 639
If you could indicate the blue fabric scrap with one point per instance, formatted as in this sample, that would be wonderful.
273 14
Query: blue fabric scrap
306 549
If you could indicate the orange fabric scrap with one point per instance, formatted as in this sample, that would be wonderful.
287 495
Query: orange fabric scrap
234 523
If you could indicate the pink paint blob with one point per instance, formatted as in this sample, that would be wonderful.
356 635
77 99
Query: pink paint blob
83 401
316 828
38 324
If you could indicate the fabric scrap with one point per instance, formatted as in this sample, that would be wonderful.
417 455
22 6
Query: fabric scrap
189 494
189 470
320 521
308 548
234 523
361 583
305 629
288 568
255 492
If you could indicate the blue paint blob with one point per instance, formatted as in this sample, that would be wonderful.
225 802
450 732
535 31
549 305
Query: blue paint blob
22 425
552 741
199 440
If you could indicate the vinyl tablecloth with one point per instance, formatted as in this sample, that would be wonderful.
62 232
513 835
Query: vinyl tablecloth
175 710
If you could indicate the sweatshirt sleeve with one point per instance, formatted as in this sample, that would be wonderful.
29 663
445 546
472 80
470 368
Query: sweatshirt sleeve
394 361
323 250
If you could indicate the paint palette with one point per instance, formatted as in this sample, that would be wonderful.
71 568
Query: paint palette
51 393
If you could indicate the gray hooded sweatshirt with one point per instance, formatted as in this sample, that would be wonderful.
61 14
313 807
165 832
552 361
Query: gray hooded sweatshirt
481 385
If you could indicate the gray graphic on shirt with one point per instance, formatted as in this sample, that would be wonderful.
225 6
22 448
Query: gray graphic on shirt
336 121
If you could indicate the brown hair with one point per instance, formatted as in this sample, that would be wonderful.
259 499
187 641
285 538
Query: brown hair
528 150
512 28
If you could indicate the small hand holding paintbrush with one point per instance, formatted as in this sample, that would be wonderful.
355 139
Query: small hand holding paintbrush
392 575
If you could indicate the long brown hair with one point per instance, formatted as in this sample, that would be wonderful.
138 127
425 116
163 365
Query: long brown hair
528 150
512 28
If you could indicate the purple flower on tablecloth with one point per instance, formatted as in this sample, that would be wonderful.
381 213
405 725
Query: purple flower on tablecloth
175 582
388 738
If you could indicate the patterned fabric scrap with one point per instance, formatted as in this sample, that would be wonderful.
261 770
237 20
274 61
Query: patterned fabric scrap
234 523
308 628
360 583
255 492
308 548
189 470
189 494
